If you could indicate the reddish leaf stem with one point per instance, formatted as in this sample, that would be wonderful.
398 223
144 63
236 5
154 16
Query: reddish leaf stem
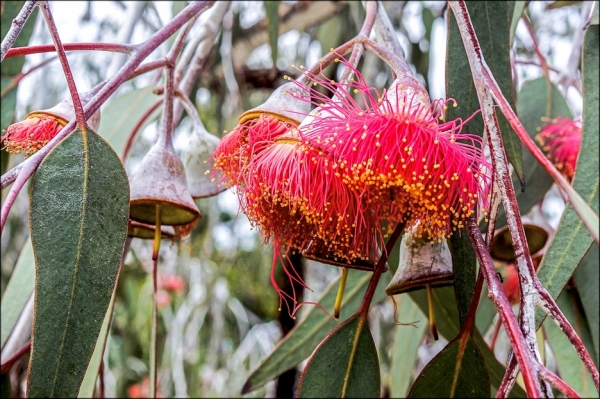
22 172
16 27
48 48
558 383
14 358
138 126
62 56
366 302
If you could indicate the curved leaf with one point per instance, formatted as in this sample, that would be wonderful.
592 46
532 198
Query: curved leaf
299 343
464 265
448 325
534 104
79 202
458 371
518 11
572 239
407 340
18 291
122 113
587 281
570 366
345 364
272 11
492 21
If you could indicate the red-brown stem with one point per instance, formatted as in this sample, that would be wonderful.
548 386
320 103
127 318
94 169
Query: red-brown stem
558 383
484 78
16 27
398 65
147 67
467 328
15 82
363 310
532 292
101 393
536 48
138 126
495 334
62 56
14 358
49 48
510 376
22 172
329 58
528 62
526 361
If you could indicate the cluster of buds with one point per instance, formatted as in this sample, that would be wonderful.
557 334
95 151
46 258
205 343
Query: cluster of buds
357 166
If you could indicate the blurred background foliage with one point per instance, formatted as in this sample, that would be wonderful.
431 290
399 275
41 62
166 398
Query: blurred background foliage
218 315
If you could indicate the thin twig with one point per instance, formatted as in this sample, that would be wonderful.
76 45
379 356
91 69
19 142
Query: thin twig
16 27
15 82
49 48
14 358
62 56
22 172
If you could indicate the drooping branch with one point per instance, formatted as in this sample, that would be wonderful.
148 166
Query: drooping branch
16 27
22 172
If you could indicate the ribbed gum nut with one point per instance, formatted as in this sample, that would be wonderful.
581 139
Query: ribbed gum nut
64 110
502 248
282 104
195 157
421 263
160 180
146 231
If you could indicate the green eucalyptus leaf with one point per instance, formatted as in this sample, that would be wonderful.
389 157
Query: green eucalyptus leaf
272 11
518 11
491 20
572 239
538 102
458 371
587 280
299 343
121 114
570 366
448 325
78 212
407 340
344 365
464 265
18 291
89 380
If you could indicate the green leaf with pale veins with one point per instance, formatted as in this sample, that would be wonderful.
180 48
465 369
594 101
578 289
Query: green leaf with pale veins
458 371
538 102
121 114
18 291
299 343
492 22
572 239
344 365
464 265
78 212
407 340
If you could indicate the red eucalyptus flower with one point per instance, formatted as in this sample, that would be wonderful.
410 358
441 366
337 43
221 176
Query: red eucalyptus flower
561 139
396 152
39 127
32 133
